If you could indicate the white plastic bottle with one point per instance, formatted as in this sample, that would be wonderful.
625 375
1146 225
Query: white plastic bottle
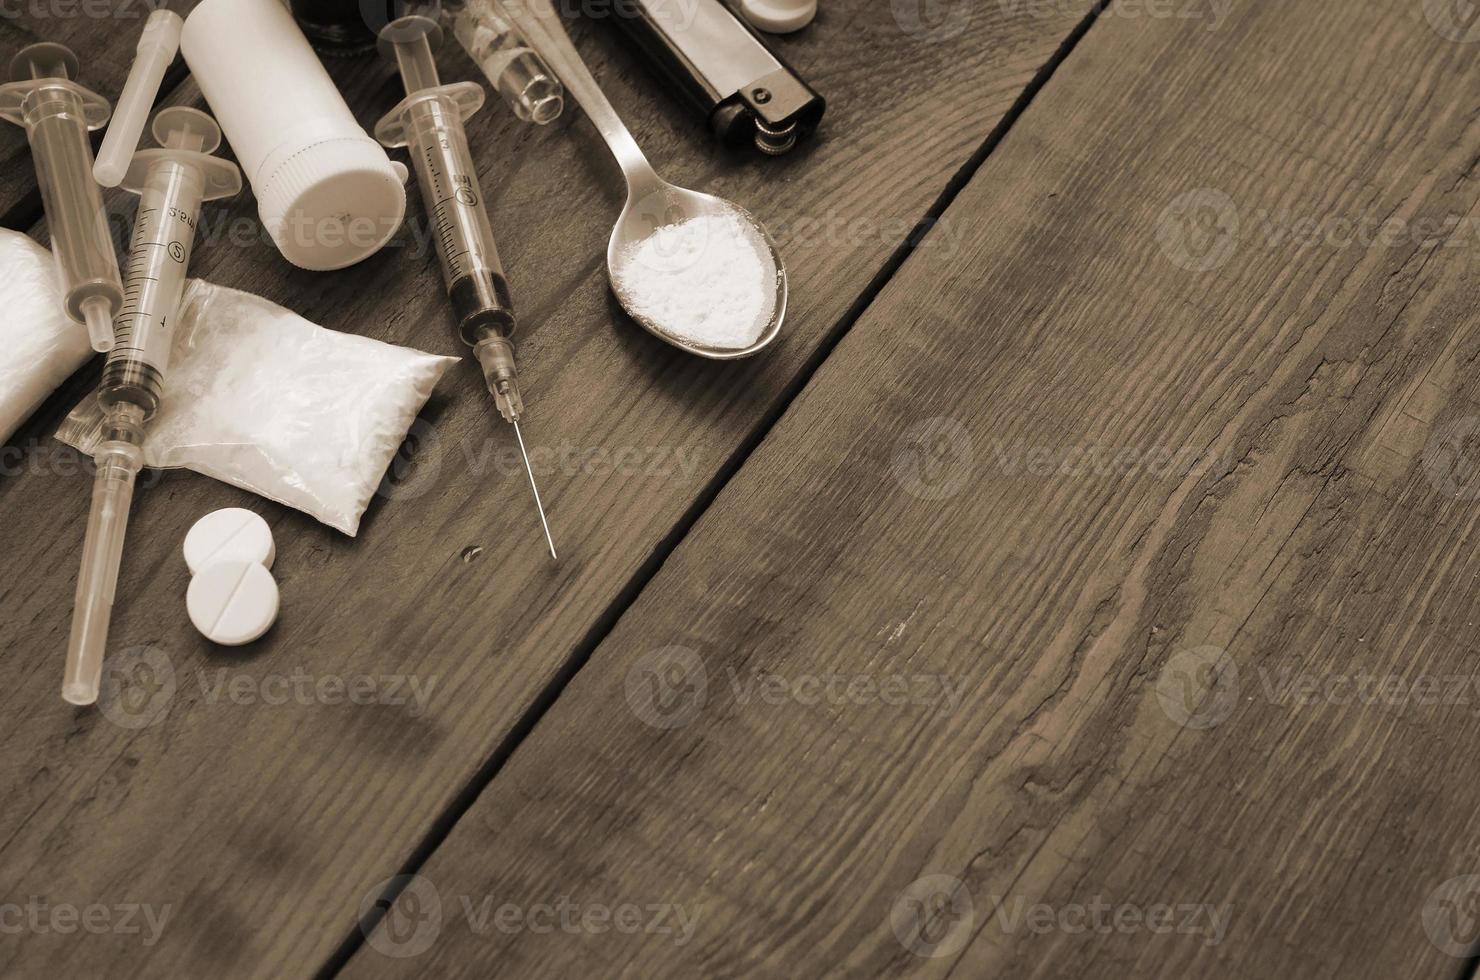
326 191
779 16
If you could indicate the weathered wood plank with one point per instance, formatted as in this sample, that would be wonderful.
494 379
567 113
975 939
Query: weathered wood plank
262 826
1098 484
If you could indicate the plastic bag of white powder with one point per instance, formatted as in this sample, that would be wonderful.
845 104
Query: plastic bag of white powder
39 344
259 397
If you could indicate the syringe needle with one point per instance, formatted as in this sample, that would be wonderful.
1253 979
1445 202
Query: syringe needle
538 505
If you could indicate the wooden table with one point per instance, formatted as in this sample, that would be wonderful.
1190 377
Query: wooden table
1083 586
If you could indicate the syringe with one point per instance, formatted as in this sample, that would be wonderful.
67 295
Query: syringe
171 183
430 122
57 114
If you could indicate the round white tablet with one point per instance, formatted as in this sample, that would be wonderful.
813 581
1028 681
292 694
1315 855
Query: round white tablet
232 602
230 534
779 16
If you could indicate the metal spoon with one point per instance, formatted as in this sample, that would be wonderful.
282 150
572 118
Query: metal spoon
652 202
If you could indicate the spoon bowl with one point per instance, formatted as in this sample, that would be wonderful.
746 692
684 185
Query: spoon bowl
657 212
654 206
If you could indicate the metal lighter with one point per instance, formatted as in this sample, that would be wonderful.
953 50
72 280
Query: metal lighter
725 70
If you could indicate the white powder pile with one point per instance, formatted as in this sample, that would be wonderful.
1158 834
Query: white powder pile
709 280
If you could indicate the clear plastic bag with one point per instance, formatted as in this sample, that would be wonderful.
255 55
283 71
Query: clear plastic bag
40 346
259 397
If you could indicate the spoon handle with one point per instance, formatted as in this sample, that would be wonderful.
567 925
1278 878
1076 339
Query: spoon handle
541 27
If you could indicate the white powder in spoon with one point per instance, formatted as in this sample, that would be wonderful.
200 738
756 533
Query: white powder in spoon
710 281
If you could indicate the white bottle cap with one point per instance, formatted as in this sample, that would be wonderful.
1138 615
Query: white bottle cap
326 192
779 16
229 534
232 602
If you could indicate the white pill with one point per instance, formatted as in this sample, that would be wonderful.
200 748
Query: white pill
232 602
779 16
230 534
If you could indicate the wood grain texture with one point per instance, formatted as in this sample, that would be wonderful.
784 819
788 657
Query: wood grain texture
104 35
263 826
1102 526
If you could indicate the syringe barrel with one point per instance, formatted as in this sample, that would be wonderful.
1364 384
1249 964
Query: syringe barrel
159 256
56 128
449 185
